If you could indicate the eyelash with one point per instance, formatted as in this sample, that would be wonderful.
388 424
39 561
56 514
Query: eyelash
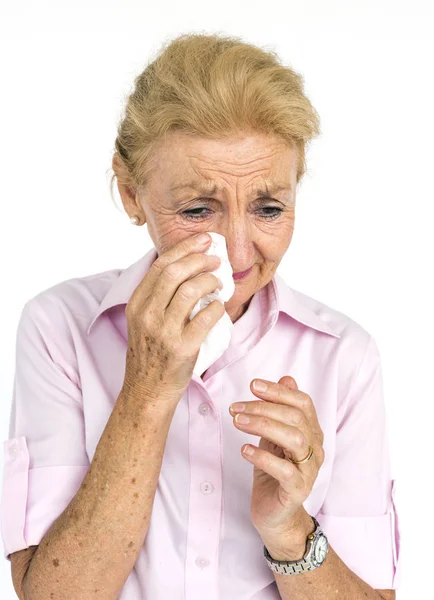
188 214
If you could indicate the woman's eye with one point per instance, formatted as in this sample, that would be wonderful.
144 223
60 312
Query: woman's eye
194 215
272 215
191 214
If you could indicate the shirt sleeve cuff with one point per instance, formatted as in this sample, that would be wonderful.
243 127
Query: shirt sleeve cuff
32 499
369 546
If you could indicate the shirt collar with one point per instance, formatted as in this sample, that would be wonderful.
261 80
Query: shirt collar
286 301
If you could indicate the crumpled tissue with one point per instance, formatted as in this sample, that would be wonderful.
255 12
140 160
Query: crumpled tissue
219 337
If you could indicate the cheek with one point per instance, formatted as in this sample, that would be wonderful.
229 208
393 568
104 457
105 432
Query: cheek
284 237
274 243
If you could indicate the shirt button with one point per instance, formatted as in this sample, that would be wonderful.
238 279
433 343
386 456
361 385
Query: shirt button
206 487
201 562
14 450
204 408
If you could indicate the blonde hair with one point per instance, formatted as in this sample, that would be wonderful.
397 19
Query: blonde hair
213 86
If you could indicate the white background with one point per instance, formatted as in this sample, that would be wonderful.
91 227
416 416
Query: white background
363 241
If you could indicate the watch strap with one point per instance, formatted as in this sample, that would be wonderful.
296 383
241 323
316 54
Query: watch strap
296 567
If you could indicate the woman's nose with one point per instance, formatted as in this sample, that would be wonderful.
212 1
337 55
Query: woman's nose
241 253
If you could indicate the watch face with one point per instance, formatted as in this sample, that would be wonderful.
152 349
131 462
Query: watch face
321 549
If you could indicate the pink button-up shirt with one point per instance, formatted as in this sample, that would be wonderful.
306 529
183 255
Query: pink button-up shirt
70 364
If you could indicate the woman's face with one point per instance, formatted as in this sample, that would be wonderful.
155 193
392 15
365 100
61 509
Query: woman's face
179 201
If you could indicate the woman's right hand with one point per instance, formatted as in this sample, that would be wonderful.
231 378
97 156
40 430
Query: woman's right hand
163 344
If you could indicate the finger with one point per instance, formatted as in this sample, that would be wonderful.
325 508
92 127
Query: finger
180 277
289 382
291 439
179 250
279 412
281 394
176 262
282 470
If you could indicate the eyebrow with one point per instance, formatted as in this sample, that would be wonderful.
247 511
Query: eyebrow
203 188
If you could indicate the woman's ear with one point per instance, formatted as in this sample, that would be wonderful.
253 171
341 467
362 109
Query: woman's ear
128 194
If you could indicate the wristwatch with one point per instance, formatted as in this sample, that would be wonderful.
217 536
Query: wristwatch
316 551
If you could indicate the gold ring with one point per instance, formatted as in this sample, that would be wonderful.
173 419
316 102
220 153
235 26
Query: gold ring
297 462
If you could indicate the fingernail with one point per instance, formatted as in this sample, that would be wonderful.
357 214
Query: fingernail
259 386
238 406
248 450
203 238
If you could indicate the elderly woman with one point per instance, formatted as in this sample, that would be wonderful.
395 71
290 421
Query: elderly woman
267 476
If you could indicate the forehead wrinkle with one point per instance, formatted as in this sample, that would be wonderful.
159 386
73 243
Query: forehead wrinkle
211 187
204 186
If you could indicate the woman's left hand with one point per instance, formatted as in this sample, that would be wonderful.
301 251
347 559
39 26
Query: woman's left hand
287 422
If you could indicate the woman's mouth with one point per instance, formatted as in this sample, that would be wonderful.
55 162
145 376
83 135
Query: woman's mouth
241 275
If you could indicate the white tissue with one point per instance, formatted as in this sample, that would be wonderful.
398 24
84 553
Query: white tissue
219 337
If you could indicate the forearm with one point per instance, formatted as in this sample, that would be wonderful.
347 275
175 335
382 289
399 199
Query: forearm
91 548
332 580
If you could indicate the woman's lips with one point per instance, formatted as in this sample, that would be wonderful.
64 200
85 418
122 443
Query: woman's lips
241 275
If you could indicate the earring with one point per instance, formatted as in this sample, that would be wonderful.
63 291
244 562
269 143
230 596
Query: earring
134 220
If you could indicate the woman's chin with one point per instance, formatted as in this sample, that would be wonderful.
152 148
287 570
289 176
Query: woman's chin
236 309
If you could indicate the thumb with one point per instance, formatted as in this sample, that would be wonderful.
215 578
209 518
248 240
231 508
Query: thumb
289 382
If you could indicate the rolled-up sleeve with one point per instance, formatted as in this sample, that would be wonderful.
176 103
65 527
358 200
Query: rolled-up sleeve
359 515
45 459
